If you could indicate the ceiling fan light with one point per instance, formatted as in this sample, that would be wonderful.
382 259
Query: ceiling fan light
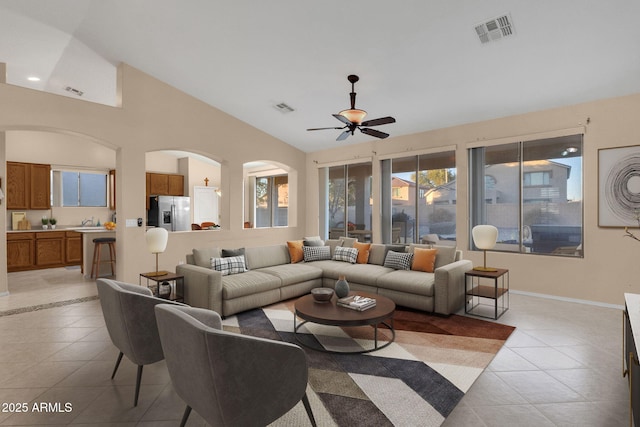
354 115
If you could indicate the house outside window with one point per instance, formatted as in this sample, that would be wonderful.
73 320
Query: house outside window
422 199
272 201
533 196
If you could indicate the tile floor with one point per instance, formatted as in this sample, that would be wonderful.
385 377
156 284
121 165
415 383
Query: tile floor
562 366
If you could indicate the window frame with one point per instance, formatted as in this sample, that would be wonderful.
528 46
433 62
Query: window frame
477 196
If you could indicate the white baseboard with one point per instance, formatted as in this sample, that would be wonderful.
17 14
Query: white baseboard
576 300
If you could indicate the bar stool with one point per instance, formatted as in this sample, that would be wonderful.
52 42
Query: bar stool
98 242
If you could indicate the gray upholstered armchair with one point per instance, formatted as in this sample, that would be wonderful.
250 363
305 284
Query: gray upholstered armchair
131 322
230 379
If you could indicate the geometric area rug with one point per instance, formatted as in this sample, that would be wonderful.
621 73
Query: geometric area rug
416 381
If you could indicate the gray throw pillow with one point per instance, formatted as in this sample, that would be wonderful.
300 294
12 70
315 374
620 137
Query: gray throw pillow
313 243
232 252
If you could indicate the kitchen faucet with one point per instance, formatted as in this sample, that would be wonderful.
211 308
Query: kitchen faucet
87 221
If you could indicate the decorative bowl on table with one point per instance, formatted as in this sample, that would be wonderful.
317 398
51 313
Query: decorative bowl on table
322 294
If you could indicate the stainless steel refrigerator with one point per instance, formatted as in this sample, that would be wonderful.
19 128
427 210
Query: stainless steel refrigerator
170 212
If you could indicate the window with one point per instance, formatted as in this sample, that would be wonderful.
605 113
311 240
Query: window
348 201
272 201
531 179
79 189
531 191
422 198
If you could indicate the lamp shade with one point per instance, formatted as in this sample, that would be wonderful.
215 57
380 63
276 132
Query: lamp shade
484 236
157 240
354 115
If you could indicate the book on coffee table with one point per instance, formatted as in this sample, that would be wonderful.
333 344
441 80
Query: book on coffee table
356 302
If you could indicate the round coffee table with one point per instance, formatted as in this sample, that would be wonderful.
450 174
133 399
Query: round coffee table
329 313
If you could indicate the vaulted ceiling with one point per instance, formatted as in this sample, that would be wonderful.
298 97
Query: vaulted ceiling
420 61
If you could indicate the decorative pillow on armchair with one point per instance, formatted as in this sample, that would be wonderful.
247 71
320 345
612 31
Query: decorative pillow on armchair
229 265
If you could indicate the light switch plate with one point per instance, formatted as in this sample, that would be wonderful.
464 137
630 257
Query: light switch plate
132 222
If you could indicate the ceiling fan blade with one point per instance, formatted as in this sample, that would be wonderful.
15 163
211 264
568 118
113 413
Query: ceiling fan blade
343 119
378 122
343 135
326 128
374 132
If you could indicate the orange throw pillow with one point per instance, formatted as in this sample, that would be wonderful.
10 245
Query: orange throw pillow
363 252
424 259
295 251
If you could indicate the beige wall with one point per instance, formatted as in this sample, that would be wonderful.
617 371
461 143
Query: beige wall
154 116
609 267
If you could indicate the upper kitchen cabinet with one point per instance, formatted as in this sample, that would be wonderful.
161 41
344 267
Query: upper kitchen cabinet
28 186
162 184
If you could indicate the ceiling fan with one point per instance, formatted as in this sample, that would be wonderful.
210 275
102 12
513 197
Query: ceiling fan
352 118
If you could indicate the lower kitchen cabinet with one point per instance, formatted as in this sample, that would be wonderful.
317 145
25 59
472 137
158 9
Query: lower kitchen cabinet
20 251
43 249
50 249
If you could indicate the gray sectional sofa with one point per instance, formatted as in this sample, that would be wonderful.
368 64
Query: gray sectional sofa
271 277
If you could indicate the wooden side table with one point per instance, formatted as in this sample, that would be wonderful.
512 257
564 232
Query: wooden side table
177 287
478 292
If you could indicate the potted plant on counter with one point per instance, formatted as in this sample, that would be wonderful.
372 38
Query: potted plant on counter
53 223
45 222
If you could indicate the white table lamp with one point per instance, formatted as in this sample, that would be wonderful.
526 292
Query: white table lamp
485 238
156 243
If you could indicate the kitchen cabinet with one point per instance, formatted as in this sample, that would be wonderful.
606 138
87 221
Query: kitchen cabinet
163 184
43 249
20 254
50 249
73 248
28 186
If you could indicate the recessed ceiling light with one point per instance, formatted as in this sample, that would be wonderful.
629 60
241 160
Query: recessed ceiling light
33 79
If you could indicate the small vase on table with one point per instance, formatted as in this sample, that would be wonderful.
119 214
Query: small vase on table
342 287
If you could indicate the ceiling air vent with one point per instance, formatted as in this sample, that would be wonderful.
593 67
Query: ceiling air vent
283 108
495 29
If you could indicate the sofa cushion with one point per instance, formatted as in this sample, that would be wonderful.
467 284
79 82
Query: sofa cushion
295 251
363 252
316 253
424 259
229 265
364 274
412 282
398 260
232 252
346 254
347 242
332 244
202 256
266 256
446 255
332 269
250 283
377 252
291 274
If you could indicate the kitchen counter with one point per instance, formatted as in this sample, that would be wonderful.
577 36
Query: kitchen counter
62 228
